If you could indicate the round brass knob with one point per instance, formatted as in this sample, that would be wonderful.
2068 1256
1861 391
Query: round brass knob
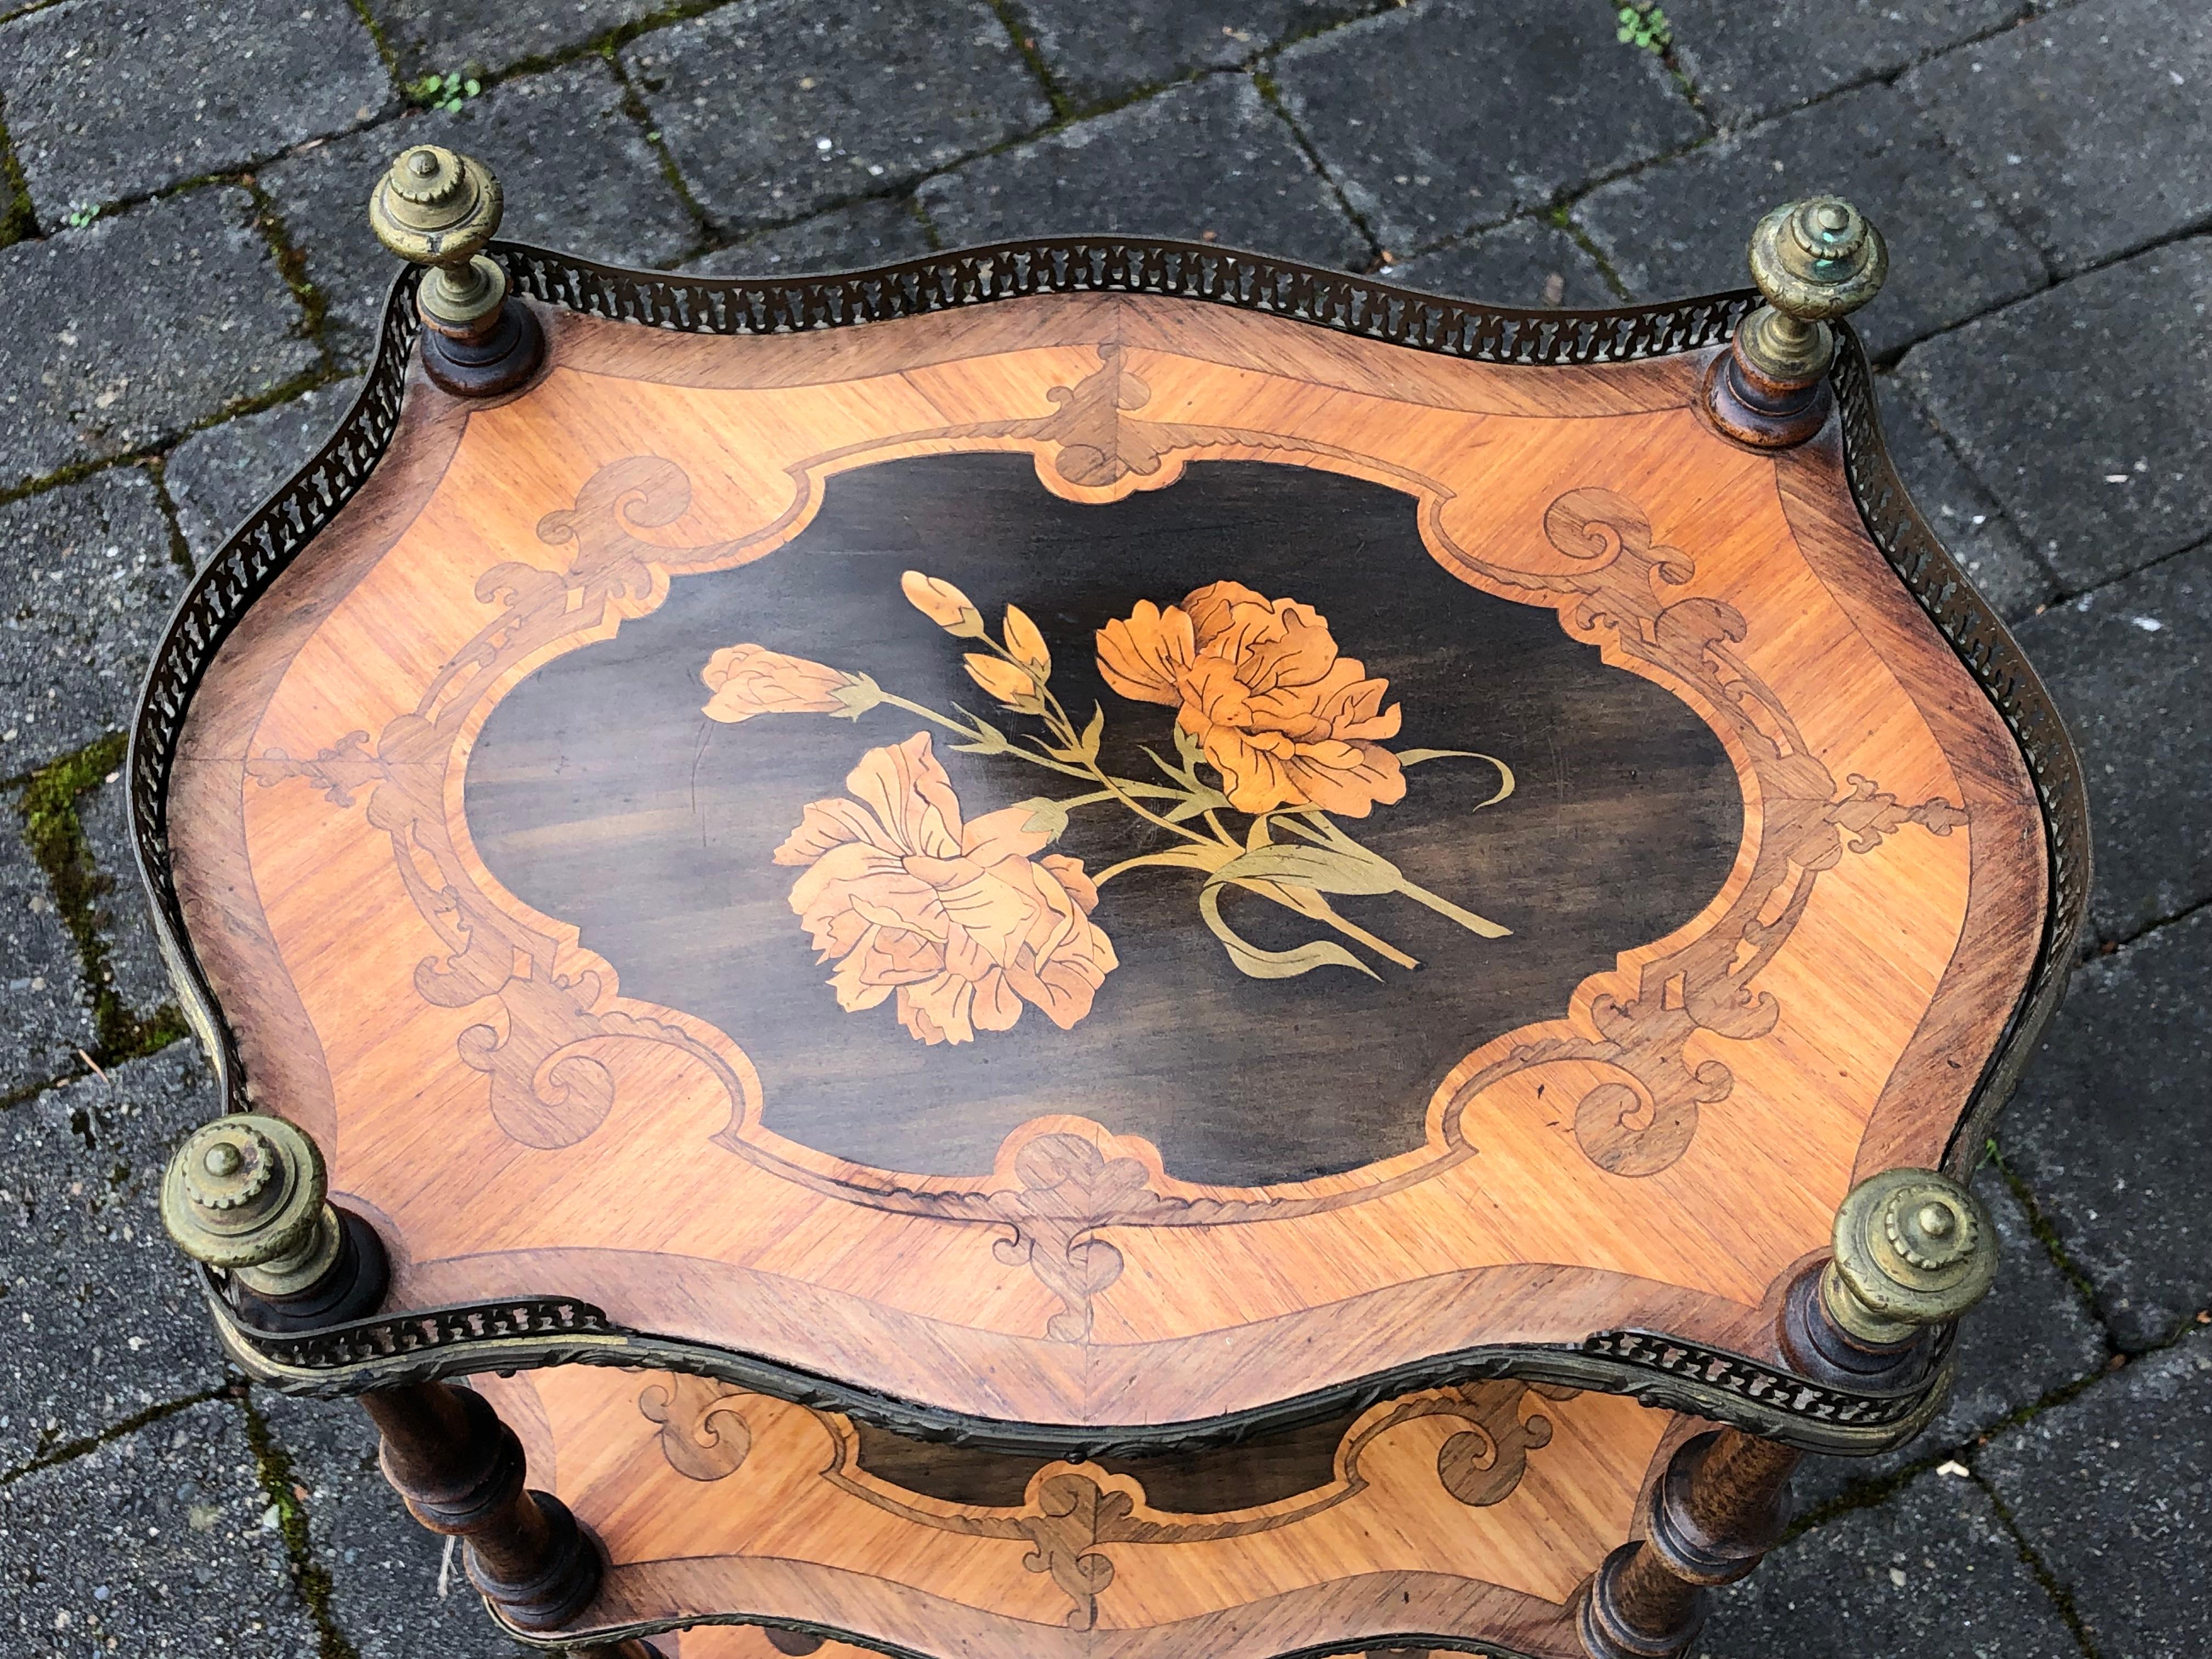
1818 259
438 207
435 206
1913 1247
1815 261
246 1193
234 1166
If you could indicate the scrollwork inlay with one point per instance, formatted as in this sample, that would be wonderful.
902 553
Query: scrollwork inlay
1073 1516
550 1082
704 1432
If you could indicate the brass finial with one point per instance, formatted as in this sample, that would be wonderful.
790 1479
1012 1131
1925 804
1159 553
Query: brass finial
437 207
1815 261
1913 1247
247 1193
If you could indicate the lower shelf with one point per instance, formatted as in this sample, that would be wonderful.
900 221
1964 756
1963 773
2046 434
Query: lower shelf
1467 1515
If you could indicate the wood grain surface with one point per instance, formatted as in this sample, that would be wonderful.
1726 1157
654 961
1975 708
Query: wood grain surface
1473 1513
434 836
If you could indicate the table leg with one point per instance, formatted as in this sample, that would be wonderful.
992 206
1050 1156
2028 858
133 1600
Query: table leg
1913 1251
1721 1504
460 1470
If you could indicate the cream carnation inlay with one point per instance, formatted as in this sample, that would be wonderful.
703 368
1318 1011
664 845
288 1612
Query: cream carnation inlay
963 921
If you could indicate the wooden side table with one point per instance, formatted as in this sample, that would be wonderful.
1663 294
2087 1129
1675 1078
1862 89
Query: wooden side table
1099 947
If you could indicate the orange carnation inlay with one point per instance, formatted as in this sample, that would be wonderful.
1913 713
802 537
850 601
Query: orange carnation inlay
1258 683
963 922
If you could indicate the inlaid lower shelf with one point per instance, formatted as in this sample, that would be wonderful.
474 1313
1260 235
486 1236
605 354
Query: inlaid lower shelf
1466 1514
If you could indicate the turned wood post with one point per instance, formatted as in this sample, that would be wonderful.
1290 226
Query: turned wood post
1723 1502
437 208
248 1194
460 1470
1813 261
1913 1250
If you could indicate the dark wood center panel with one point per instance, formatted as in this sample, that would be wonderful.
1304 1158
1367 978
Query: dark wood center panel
599 793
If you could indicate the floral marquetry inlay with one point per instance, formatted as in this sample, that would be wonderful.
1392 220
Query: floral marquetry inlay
967 922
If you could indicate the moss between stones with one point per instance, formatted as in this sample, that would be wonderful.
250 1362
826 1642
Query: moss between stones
272 1467
17 222
1026 46
55 832
48 1456
291 265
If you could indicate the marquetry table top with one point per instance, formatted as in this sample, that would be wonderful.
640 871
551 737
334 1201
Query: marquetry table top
1096 842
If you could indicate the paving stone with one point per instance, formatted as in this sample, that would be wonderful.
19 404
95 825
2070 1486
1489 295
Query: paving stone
106 101
877 233
384 1567
576 173
1751 58
2127 666
2083 409
830 102
1530 261
2089 126
215 477
1209 161
1098 53
123 915
2107 1131
2030 1334
1679 228
85 594
1932 1571
1997 560
103 1319
1439 118
2114 1491
441 36
50 1013
154 1544
138 326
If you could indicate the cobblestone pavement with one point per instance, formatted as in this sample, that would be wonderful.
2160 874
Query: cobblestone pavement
186 286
